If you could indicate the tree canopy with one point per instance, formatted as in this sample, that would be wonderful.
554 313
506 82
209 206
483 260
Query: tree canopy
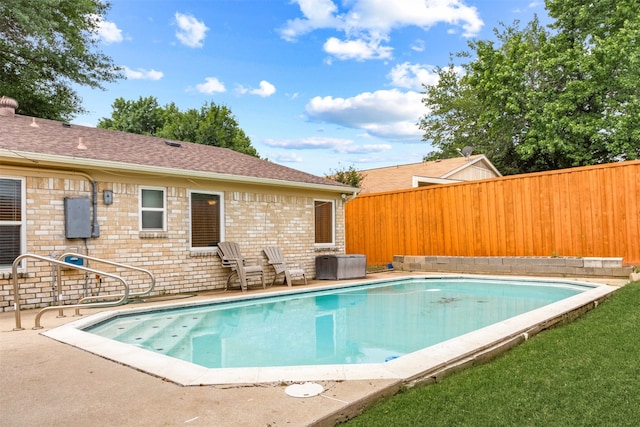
541 98
349 176
210 125
47 47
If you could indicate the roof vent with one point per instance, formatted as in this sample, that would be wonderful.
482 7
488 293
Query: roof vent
66 125
8 106
173 144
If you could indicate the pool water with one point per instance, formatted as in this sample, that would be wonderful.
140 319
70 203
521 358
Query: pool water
357 325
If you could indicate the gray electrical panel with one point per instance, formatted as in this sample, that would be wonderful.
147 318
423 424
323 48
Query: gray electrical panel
77 217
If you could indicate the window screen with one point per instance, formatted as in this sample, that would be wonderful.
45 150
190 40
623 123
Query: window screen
324 221
152 210
206 227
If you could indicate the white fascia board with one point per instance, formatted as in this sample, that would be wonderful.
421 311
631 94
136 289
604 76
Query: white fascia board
105 164
417 179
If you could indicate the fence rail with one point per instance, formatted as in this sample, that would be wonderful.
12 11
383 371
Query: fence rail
584 212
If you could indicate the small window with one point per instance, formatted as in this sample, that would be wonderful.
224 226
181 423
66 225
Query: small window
324 222
12 221
207 212
152 209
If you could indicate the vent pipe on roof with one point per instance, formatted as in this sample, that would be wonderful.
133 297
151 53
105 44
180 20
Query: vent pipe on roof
8 106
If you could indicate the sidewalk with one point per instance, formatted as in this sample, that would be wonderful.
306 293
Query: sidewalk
45 382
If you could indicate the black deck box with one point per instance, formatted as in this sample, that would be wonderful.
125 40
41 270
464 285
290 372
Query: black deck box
338 267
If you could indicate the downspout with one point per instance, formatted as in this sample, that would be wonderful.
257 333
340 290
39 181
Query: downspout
95 227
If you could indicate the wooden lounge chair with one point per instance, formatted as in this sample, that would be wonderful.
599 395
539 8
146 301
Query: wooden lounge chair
276 259
232 258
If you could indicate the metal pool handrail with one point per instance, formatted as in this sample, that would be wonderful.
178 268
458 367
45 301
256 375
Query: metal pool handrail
117 264
58 264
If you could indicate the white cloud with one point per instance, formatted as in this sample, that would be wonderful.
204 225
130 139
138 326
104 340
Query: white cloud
364 149
418 46
211 85
413 76
191 32
337 145
266 89
357 49
142 74
367 22
389 114
287 157
107 31
317 14
312 143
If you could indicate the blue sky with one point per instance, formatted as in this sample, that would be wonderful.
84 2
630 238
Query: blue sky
318 85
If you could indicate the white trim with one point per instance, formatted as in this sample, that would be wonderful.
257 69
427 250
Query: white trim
415 180
333 224
163 209
23 220
482 158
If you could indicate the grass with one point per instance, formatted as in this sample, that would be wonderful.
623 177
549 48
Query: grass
586 373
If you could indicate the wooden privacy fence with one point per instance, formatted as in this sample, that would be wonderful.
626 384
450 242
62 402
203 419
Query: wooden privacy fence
589 211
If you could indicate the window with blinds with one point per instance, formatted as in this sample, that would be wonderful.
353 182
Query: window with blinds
324 228
11 220
206 219
152 209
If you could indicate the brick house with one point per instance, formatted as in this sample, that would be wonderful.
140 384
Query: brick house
413 175
144 201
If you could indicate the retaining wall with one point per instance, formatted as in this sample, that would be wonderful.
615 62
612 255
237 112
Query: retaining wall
548 266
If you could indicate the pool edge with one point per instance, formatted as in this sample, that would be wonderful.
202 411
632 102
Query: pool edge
425 365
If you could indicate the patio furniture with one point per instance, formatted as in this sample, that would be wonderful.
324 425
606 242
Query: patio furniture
231 257
276 259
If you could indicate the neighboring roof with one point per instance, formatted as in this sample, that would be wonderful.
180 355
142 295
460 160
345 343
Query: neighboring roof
433 172
48 141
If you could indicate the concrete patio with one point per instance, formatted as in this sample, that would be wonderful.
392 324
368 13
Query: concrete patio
48 382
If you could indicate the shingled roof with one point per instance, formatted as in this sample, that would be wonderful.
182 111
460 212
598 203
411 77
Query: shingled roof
27 137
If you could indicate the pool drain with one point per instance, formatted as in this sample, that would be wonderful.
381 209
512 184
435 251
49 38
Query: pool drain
304 390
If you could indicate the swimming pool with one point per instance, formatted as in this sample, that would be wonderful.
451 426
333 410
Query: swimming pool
400 329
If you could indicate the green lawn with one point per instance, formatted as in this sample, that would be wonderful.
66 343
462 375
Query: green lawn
586 373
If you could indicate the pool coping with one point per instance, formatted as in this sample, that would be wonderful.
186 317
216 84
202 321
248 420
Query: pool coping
418 366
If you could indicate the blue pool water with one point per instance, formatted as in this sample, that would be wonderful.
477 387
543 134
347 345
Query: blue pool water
362 324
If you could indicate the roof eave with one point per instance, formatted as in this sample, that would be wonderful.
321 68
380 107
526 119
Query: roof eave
119 166
480 158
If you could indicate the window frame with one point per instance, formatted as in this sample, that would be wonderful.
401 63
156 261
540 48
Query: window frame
333 223
22 223
142 209
221 211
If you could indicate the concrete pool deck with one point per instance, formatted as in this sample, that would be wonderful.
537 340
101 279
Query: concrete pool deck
48 382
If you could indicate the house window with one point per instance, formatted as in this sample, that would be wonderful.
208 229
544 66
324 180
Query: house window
152 209
207 212
12 221
324 222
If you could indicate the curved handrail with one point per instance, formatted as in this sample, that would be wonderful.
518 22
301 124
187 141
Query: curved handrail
117 264
58 263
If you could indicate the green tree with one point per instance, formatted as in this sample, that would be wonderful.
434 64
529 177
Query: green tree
539 99
144 116
48 46
349 176
210 125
